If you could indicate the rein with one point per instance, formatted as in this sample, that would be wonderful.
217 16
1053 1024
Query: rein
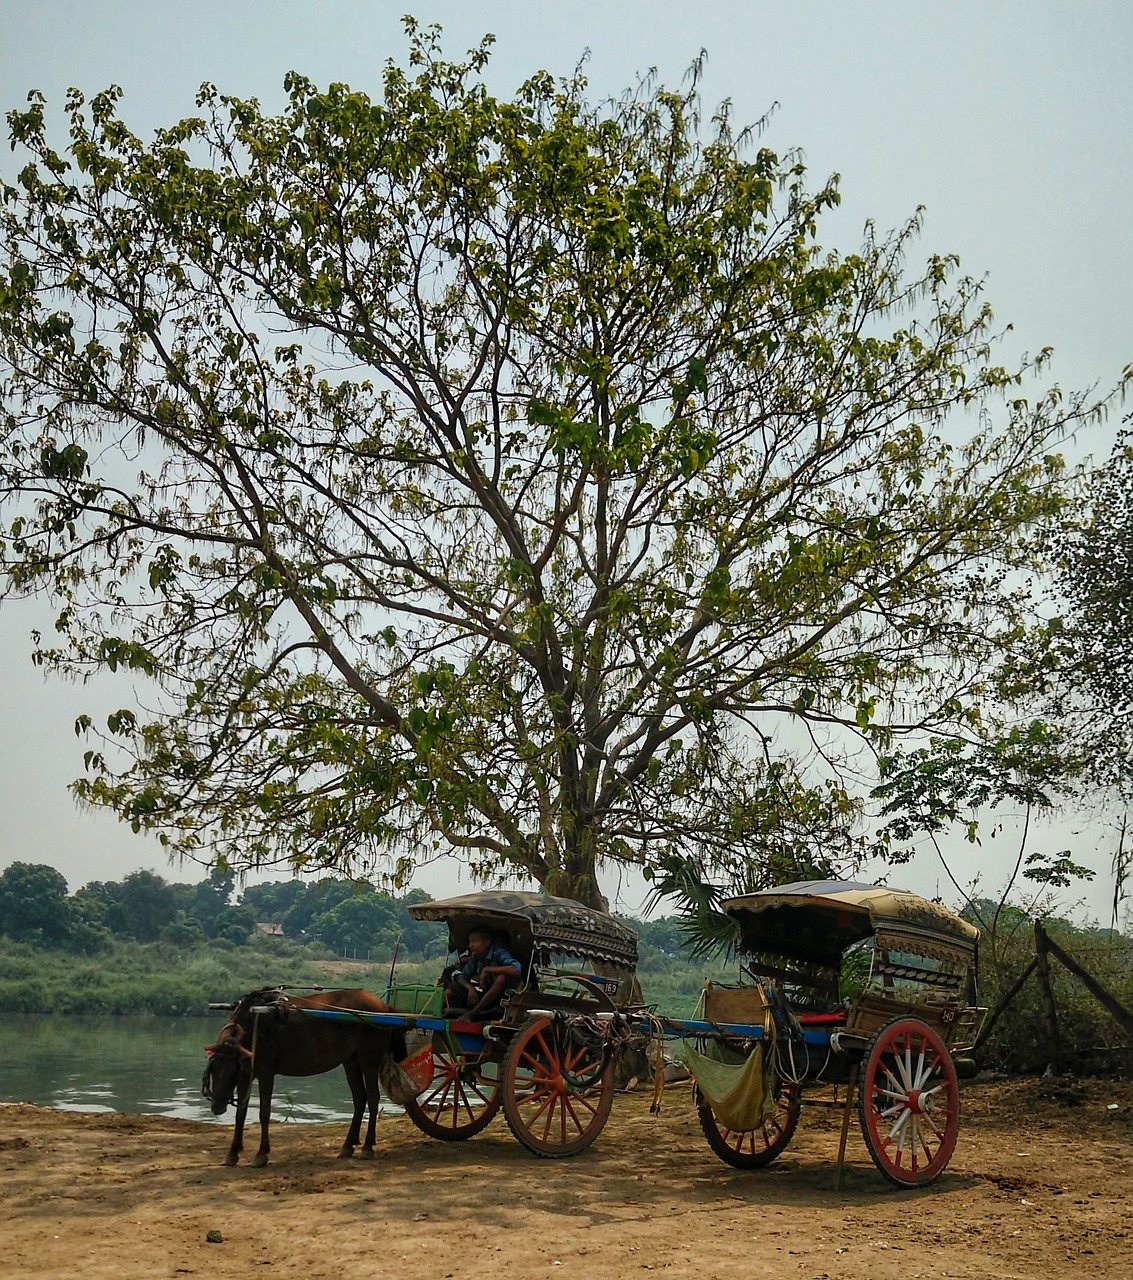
233 1033
252 1058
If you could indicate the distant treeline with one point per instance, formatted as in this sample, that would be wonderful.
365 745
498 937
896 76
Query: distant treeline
331 916
145 945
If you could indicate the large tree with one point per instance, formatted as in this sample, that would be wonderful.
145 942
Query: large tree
516 477
33 904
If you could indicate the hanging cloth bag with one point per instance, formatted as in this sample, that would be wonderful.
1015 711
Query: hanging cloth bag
740 1090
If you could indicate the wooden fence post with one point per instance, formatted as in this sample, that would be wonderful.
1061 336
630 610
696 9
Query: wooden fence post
1042 944
1110 1002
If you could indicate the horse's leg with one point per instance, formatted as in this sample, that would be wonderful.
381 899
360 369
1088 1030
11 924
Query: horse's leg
267 1083
354 1079
243 1097
373 1098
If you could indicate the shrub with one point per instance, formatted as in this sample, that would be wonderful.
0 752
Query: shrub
1089 1037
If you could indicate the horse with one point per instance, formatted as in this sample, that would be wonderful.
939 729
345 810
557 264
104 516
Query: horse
285 1041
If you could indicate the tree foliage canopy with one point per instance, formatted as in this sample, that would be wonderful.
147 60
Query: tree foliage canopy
33 903
519 477
1097 579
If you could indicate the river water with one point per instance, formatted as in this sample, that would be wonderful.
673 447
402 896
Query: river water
138 1065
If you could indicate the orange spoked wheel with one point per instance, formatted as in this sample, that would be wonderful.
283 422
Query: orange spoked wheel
461 1100
752 1148
909 1102
557 1097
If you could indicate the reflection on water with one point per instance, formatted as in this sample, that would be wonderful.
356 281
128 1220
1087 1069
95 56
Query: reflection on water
142 1065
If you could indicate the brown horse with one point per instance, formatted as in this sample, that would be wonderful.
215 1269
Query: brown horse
285 1041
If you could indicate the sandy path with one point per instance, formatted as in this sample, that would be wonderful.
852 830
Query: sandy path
1040 1185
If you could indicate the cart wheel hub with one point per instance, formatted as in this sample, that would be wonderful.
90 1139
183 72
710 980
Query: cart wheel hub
913 1101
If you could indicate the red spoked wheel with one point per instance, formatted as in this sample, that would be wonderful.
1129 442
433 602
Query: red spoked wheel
753 1148
546 1113
909 1101
460 1101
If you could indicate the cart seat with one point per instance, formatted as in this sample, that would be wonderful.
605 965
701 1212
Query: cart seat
837 1018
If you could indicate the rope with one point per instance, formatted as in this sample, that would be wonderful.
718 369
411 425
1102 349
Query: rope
658 1064
255 1037
567 1030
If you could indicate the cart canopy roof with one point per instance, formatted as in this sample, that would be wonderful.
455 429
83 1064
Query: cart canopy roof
816 920
536 920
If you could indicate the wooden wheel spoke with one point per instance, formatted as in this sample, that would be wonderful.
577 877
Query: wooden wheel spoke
540 1069
473 1086
463 1087
900 1089
905 1066
582 1057
900 1123
901 1096
548 1096
550 1119
571 1057
550 1056
913 1140
446 1076
583 1100
442 1102
568 1106
457 1099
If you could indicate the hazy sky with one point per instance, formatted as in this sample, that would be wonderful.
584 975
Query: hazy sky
1012 123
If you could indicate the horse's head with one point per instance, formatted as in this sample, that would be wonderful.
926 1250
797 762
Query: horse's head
229 1065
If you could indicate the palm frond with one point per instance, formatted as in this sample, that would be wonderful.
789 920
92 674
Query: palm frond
708 930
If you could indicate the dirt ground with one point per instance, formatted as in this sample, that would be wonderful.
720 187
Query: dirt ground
1041 1184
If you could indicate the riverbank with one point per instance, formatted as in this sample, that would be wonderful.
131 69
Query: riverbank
1041 1184
130 977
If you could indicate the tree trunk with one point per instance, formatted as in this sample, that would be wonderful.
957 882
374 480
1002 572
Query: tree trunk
575 873
577 880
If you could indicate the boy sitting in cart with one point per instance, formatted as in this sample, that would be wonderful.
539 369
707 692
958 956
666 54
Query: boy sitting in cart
473 994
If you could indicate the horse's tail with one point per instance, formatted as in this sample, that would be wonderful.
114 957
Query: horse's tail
398 1048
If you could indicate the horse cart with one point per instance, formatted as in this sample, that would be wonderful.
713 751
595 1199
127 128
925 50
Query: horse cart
541 1061
867 991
